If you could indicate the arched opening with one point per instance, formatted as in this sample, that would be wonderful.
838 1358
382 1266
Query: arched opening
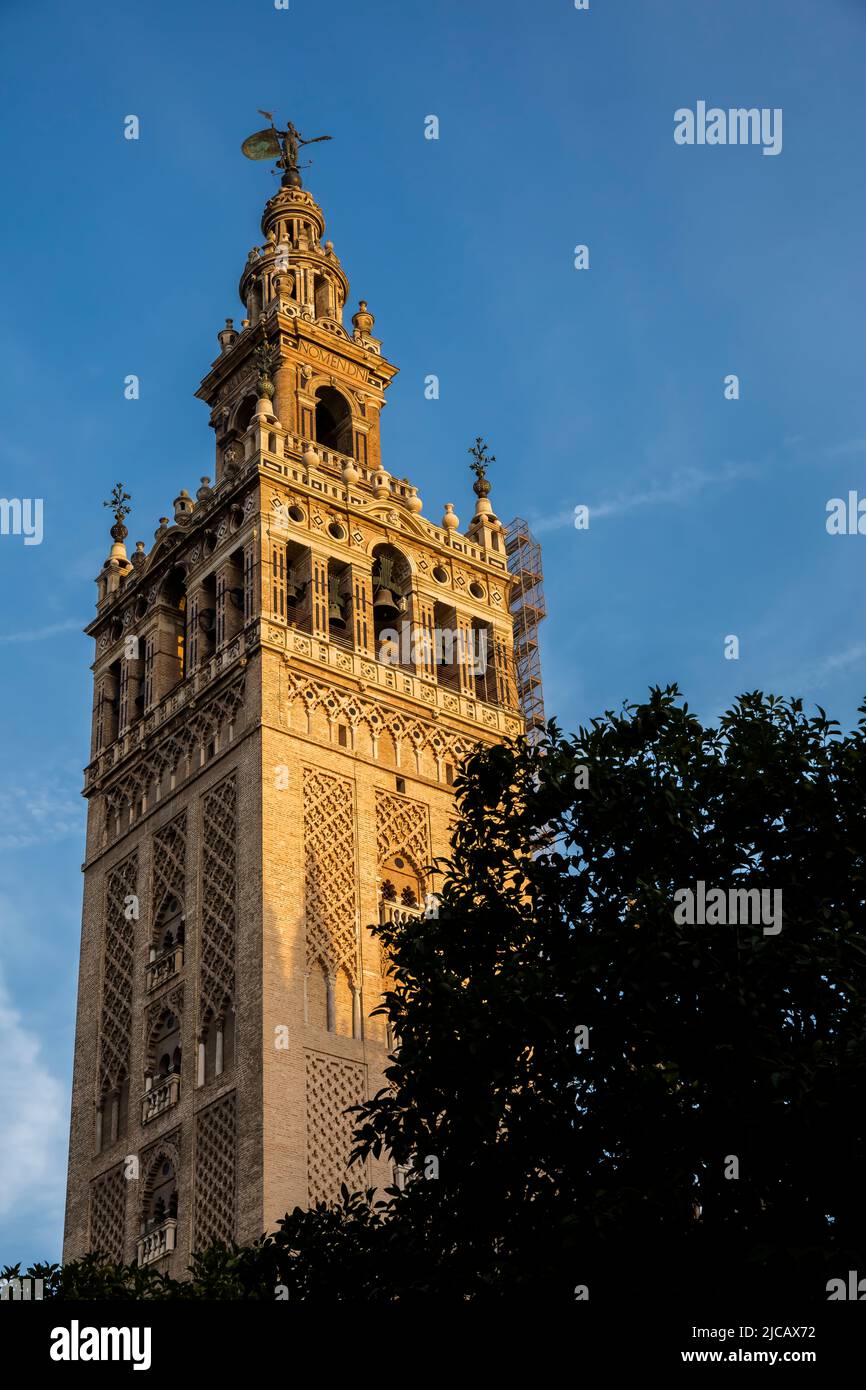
340 616
165 1048
232 596
168 927
216 1044
245 412
110 705
391 587
401 887
207 620
481 658
333 420
447 645
322 293
161 1200
174 664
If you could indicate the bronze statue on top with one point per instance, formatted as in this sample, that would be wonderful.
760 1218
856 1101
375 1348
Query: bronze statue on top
281 145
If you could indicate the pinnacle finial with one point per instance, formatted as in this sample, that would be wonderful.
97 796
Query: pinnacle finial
118 504
481 486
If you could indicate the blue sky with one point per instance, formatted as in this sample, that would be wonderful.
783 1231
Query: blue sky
602 387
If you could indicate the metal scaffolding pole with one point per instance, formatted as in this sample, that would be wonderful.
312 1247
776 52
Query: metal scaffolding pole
527 610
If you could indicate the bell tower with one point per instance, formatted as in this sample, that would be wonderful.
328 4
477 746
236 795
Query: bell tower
284 684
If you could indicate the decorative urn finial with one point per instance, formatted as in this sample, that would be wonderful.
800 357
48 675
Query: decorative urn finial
118 503
481 486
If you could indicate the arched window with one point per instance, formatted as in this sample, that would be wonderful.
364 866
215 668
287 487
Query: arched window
391 589
401 887
216 1048
164 1053
160 1201
169 926
207 619
323 298
340 606
245 412
109 713
333 420
174 598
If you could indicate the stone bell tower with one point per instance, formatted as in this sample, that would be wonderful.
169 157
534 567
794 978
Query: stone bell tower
284 685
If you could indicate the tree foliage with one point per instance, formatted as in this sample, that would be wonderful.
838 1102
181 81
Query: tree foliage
610 1165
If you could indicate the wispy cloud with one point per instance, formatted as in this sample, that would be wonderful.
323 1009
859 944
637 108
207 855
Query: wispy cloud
41 807
812 677
846 449
41 634
32 1135
683 485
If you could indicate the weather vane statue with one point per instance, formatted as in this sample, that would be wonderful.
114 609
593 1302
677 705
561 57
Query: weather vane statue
281 145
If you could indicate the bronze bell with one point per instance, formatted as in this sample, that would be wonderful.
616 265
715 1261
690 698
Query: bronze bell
294 590
385 606
335 605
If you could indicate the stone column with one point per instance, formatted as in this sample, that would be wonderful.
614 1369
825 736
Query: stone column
465 657
423 649
319 595
285 397
362 609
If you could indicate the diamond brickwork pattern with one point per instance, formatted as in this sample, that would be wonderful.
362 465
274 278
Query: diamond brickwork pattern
218 904
115 1029
332 1084
215 1172
169 864
402 828
329 871
108 1214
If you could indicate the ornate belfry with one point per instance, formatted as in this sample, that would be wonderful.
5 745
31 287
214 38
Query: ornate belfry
284 685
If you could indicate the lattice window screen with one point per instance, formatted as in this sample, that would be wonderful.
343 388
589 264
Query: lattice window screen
332 1084
108 1214
115 1027
215 1172
330 872
218 905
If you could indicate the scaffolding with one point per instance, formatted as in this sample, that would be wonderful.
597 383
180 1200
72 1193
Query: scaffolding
527 610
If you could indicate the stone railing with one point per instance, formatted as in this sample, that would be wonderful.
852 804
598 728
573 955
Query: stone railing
396 912
163 967
158 1242
160 1098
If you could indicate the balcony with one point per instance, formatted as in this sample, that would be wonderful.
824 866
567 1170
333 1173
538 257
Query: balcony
163 967
161 1097
396 912
158 1242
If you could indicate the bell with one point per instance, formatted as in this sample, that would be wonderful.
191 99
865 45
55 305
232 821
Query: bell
295 591
335 606
207 621
385 605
